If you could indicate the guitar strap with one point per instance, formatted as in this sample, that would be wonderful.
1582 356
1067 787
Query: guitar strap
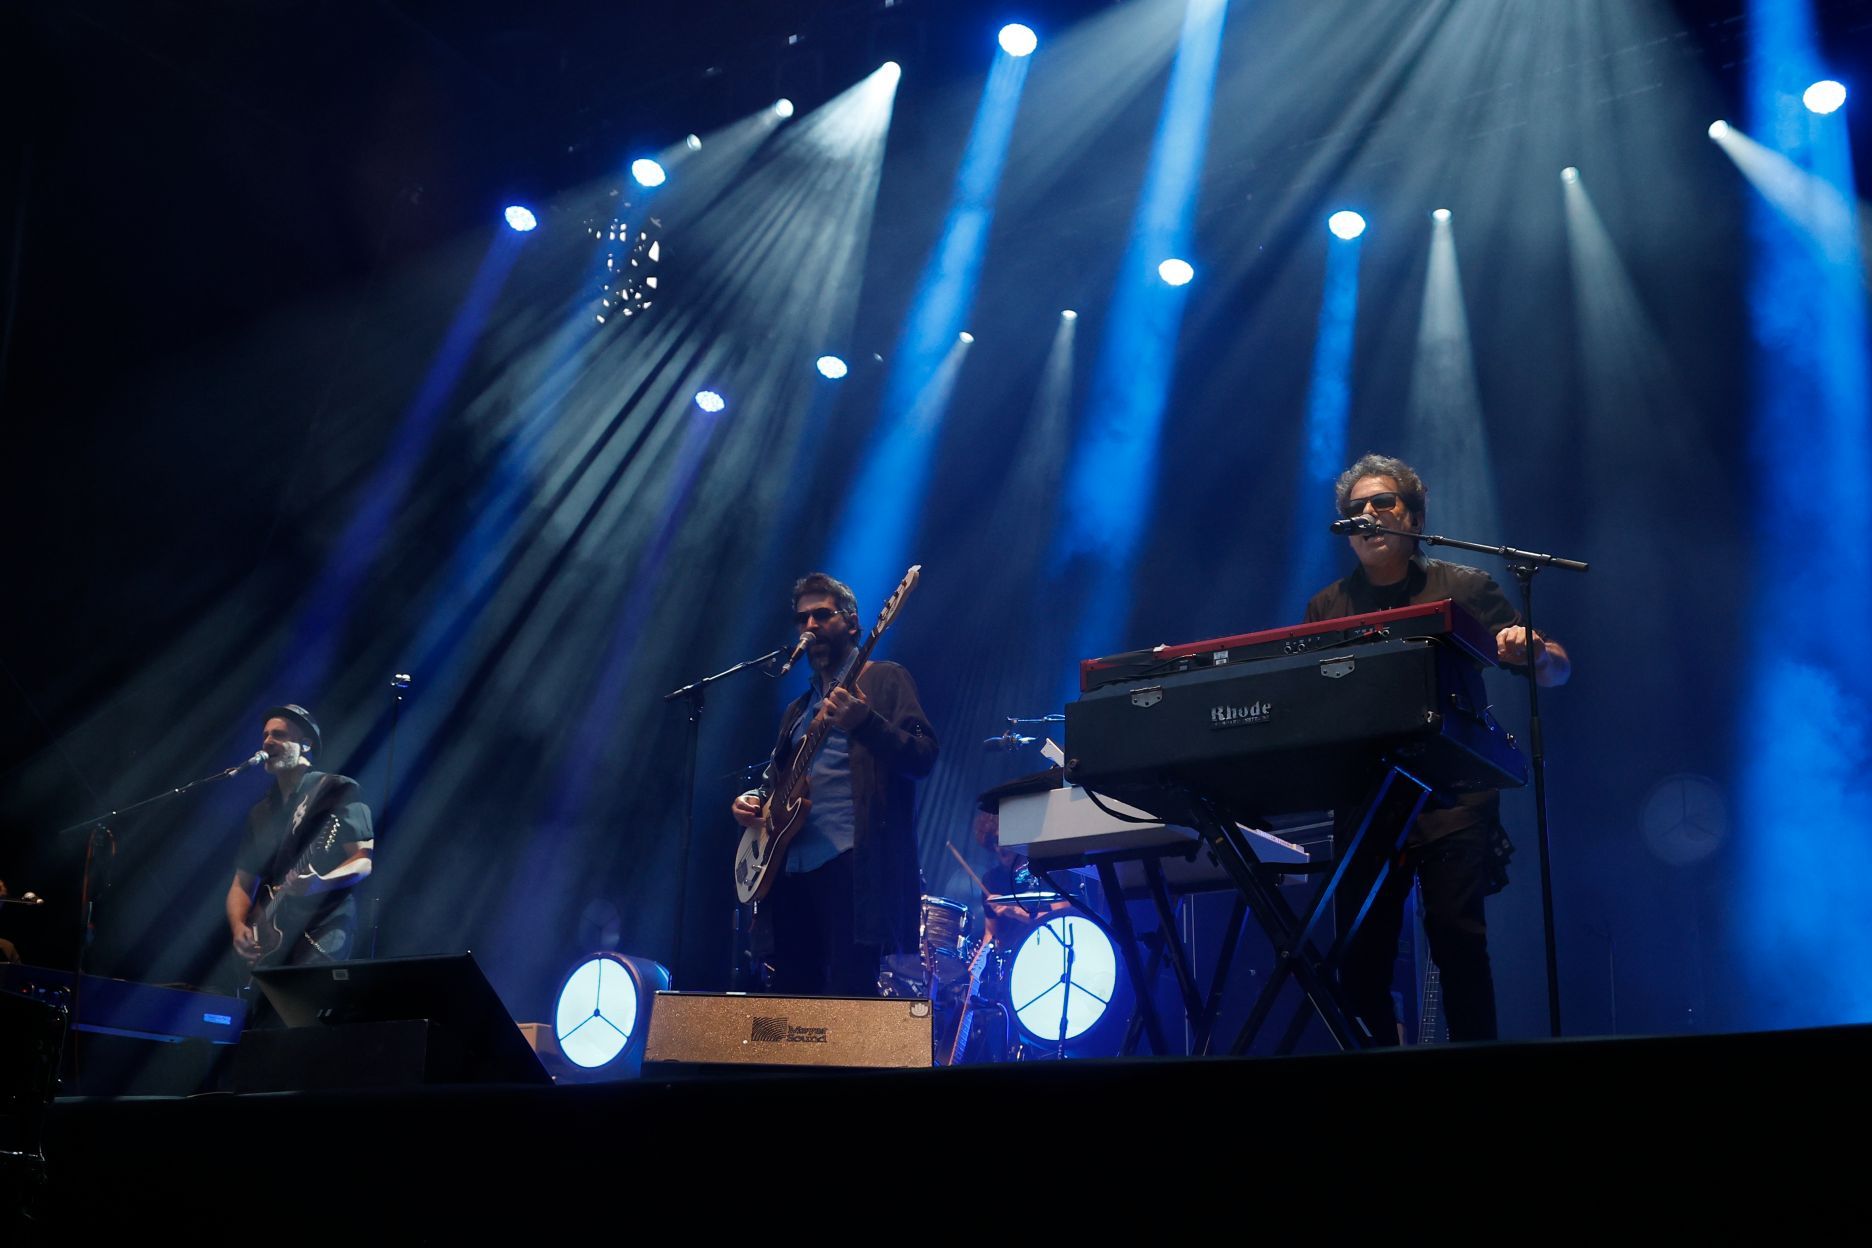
308 806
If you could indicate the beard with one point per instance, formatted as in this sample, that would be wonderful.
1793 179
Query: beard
287 759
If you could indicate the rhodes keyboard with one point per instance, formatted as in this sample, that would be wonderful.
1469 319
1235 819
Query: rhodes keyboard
1428 619
1296 731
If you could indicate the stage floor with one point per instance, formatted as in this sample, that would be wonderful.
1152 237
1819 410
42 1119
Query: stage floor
1657 1119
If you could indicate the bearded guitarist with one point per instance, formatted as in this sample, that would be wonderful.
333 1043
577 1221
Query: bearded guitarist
308 844
848 894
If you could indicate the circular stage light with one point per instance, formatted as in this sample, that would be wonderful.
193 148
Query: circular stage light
1067 314
965 337
1569 175
1441 214
1346 224
647 172
1176 272
1825 96
598 1013
783 108
520 218
709 401
831 367
693 142
1718 129
1018 40
1058 999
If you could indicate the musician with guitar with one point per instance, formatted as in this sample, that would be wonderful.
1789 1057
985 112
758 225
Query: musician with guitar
833 819
1456 847
308 844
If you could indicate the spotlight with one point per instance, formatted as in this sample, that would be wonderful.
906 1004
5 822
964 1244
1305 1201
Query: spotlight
1719 130
1346 224
709 401
783 108
891 70
965 337
693 142
647 172
521 219
1069 315
831 367
1176 272
1018 40
1824 96
602 1012
1441 214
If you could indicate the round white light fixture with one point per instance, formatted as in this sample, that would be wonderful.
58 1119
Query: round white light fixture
831 367
1569 175
693 142
1825 96
1719 130
1176 272
1069 315
600 1013
709 401
1018 40
783 108
1441 214
1346 224
965 337
520 218
647 172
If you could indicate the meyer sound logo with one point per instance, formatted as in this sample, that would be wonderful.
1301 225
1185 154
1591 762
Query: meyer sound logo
778 1031
1239 716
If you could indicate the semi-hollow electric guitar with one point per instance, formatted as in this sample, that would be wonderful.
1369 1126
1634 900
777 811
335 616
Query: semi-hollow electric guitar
763 849
264 916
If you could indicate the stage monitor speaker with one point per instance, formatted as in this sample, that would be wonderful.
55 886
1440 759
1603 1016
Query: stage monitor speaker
700 1030
390 1020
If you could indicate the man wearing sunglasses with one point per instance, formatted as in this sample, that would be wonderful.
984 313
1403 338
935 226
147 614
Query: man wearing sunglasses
1457 850
849 893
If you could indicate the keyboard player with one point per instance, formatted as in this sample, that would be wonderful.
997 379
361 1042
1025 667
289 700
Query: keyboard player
1457 848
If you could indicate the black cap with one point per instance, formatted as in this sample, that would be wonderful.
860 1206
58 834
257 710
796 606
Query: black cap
298 715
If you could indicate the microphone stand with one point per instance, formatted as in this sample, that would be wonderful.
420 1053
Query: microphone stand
101 824
399 685
1524 564
693 695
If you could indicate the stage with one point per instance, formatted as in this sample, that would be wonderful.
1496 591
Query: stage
1577 1126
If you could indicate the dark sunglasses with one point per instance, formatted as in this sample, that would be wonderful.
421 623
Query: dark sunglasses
818 615
1387 501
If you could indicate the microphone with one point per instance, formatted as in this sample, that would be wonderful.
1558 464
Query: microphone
1355 524
799 648
1009 740
258 760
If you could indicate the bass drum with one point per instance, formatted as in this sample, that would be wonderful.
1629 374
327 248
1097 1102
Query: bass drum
1066 990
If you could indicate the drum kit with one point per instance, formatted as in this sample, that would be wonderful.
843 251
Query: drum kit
1043 980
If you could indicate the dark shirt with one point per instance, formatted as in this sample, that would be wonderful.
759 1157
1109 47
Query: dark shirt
1429 580
891 750
291 833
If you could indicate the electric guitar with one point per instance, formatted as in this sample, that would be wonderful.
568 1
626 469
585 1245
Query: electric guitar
1431 1026
762 853
264 916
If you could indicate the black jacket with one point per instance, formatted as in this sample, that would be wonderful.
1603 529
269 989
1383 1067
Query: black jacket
892 749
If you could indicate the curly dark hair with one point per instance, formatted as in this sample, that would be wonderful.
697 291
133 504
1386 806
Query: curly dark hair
1410 486
823 583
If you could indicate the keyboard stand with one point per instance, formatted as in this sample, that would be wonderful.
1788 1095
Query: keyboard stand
1383 825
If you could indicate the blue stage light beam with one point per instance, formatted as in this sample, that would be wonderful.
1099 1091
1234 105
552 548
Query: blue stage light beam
1110 485
871 541
1329 406
1446 436
318 630
1803 877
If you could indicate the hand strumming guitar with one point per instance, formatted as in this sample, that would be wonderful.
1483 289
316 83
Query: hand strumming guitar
845 707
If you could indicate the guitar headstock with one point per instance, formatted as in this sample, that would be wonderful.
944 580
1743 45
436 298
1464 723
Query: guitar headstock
895 602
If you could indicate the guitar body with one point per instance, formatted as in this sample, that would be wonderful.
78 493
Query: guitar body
761 855
768 841
264 916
